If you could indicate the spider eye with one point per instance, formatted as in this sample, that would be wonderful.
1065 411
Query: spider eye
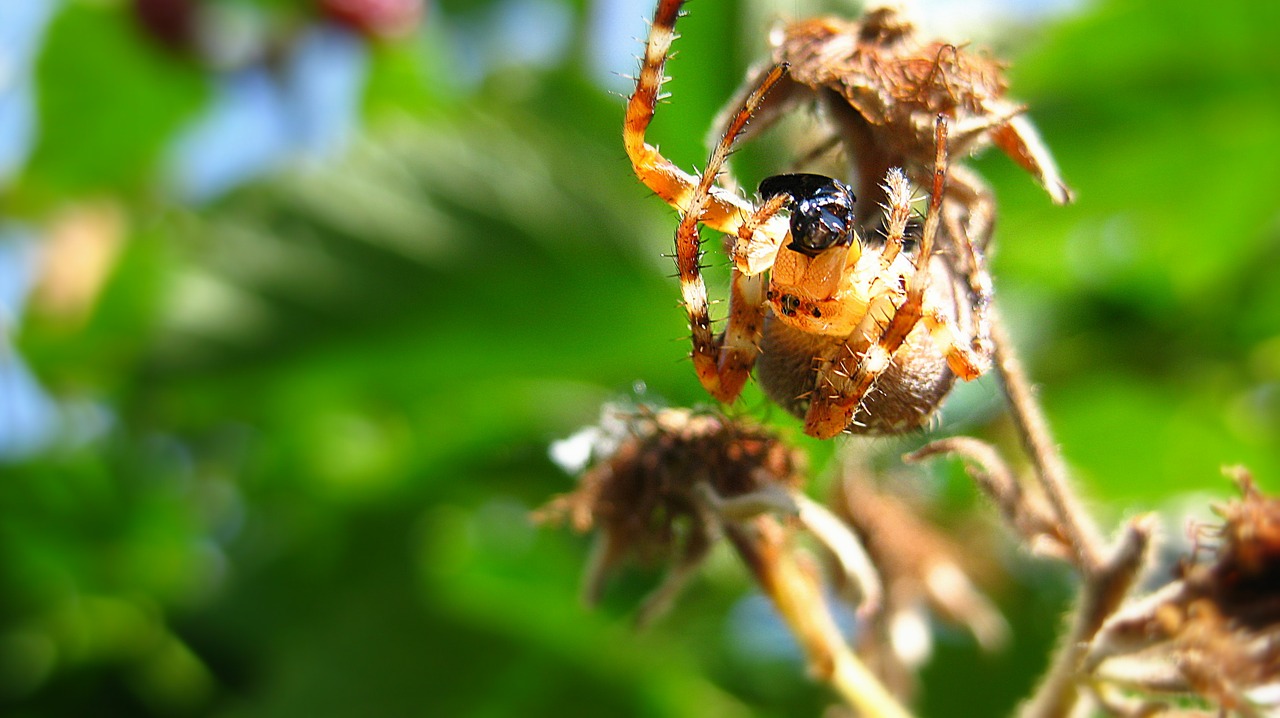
821 210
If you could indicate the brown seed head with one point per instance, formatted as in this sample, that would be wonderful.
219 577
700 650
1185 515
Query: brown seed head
644 487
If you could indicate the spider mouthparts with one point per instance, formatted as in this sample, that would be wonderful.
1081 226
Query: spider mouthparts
821 210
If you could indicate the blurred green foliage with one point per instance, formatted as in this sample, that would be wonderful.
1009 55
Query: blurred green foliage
301 425
137 100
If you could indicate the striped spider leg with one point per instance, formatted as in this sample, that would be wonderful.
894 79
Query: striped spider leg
722 362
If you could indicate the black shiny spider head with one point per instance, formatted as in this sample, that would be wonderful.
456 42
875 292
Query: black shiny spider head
821 210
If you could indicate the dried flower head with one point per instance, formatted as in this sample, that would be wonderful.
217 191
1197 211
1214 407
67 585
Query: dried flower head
1226 630
883 86
664 484
1218 625
1243 575
645 485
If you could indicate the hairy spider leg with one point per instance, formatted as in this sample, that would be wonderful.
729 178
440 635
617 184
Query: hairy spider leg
897 215
973 265
724 363
830 412
724 211
782 99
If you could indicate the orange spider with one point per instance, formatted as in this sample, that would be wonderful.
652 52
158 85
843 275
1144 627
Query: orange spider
860 332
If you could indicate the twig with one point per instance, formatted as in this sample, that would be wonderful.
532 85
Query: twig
847 550
1103 586
1051 470
1029 518
1128 629
796 594
828 529
1106 575
1101 592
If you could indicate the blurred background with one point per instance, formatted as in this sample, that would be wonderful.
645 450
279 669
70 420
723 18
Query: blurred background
296 294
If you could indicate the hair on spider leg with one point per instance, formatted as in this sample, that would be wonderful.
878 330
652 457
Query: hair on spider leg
683 338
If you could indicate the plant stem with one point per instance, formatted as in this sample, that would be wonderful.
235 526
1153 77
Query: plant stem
1050 469
1101 593
1105 573
796 594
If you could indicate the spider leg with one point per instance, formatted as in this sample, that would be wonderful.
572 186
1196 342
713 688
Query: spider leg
722 210
775 106
897 213
1019 139
973 265
970 207
723 363
830 412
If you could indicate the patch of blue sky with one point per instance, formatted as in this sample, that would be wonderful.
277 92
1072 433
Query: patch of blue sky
22 26
323 85
242 134
260 119
532 34
28 415
614 32
755 629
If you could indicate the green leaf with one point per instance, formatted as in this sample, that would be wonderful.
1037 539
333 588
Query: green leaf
108 102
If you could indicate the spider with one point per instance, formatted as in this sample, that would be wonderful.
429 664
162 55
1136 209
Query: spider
858 331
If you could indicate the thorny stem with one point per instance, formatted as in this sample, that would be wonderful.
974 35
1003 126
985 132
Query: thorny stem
798 598
1125 631
1103 586
1030 519
818 521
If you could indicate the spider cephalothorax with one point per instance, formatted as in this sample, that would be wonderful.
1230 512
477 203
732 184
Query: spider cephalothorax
850 324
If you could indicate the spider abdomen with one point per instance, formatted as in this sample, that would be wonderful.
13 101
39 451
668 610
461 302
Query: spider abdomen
903 398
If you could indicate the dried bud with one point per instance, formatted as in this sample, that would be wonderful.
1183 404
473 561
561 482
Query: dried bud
1227 633
1219 625
892 84
1245 572
645 482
